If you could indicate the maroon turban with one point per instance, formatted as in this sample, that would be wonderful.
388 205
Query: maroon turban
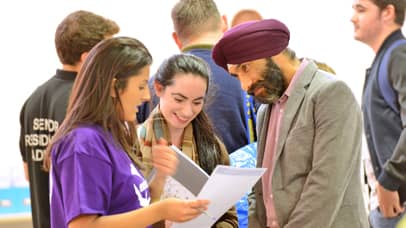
250 41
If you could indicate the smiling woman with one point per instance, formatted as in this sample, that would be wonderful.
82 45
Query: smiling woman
182 83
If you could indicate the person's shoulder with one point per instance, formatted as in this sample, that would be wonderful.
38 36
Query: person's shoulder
399 52
334 85
88 131
85 136
88 140
226 85
324 79
219 72
325 85
38 92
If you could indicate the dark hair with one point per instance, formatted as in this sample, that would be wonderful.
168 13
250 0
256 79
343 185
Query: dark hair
193 17
399 6
208 147
79 32
91 102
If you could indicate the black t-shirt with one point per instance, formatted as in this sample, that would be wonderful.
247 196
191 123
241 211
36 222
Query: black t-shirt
40 117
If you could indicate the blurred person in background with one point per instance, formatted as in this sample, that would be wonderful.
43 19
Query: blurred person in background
378 23
45 109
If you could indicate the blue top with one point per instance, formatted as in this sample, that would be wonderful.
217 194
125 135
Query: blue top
245 157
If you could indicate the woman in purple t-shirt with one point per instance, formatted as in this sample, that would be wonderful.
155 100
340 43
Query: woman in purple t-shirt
95 177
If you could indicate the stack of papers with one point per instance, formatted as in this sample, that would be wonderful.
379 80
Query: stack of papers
223 188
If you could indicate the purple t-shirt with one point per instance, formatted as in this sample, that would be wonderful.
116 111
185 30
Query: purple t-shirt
92 175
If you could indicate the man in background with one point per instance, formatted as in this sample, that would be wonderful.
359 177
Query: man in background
198 26
378 23
45 108
245 15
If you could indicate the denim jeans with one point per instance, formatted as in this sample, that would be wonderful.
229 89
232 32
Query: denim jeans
376 220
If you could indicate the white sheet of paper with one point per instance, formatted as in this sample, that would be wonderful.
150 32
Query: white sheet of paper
224 188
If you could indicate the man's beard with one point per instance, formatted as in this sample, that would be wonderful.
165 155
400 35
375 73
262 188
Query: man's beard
271 87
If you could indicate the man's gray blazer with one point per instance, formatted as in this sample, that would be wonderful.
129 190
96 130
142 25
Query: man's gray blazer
316 181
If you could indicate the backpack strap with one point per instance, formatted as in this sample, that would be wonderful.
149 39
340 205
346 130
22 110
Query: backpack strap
385 87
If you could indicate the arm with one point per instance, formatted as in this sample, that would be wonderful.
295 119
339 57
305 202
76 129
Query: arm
171 209
336 157
26 174
393 173
22 144
164 161
395 169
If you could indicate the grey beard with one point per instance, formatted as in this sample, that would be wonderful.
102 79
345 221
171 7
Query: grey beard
270 99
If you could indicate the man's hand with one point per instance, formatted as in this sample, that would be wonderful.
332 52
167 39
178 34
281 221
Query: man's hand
389 203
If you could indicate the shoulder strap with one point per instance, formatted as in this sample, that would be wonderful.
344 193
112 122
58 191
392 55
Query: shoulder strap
385 87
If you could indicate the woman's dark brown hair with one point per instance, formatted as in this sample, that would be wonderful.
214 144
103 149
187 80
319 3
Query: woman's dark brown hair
91 101
207 144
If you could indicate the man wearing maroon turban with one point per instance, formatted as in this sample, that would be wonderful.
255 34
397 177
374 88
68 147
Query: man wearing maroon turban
309 132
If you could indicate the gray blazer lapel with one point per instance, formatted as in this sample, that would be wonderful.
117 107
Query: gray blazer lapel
293 105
